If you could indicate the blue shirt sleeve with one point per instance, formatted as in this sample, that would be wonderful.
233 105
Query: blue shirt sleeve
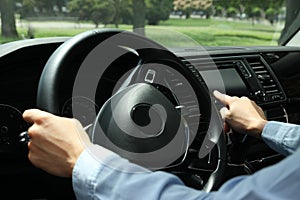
112 177
282 137
100 174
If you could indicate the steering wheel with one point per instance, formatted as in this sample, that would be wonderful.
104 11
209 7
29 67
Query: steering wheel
144 100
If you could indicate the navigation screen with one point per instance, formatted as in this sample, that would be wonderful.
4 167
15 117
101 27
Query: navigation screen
227 79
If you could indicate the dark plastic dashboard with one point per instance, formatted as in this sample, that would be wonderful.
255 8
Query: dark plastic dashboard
267 75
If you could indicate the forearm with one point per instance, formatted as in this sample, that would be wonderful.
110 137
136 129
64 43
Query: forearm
105 177
113 177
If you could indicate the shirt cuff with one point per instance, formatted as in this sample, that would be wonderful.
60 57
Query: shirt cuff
87 168
274 134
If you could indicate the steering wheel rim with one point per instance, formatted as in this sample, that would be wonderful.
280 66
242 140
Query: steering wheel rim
48 97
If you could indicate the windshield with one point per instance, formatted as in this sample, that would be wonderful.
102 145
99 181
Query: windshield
170 22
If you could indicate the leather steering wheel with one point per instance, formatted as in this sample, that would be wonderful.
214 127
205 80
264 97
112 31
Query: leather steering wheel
96 50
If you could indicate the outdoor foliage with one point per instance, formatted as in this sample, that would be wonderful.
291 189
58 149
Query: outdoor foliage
186 7
123 10
158 10
135 12
231 8
98 11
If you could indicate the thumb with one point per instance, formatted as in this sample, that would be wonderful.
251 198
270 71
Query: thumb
224 113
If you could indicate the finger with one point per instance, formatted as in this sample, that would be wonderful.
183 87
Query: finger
224 113
33 115
246 98
33 132
223 98
226 127
36 154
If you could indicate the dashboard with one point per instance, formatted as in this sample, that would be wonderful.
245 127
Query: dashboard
267 75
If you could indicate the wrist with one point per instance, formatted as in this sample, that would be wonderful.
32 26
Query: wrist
72 161
256 128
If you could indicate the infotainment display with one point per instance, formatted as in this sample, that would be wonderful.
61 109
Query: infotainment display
228 79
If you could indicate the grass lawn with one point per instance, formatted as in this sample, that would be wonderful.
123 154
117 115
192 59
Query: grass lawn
174 32
223 33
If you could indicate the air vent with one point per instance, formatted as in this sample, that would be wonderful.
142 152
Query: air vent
264 76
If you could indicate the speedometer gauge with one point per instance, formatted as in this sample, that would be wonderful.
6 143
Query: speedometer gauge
83 109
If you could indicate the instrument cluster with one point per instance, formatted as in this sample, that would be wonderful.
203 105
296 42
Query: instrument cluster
82 108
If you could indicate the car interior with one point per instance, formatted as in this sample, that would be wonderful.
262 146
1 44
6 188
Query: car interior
66 76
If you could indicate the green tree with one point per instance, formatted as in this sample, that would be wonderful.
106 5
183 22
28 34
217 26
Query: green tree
102 12
8 21
158 10
188 6
230 7
27 9
203 5
45 6
126 12
250 6
232 12
60 4
33 8
122 11
99 11
219 11
271 15
185 6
